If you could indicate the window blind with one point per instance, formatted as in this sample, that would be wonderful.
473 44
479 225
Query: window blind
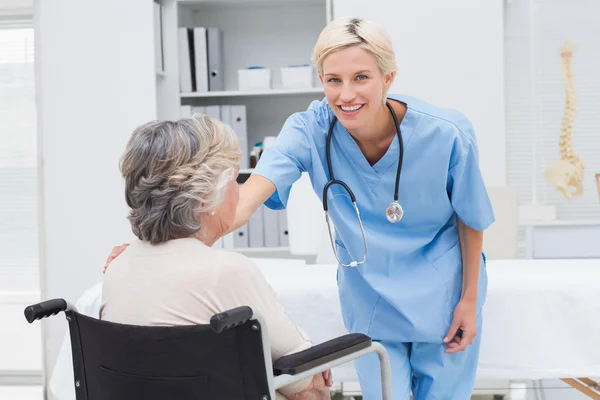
535 31
19 265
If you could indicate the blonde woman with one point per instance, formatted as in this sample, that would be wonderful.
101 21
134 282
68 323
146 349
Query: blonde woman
180 186
413 275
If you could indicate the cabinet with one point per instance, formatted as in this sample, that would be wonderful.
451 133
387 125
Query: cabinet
266 33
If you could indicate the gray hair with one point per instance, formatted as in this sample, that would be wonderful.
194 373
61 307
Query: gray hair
174 171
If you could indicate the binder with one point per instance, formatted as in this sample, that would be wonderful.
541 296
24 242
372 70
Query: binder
200 110
158 43
239 126
271 227
213 111
284 238
201 59
185 111
216 74
240 237
256 229
186 60
228 241
226 114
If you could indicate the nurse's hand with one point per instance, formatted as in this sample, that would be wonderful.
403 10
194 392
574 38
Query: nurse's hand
114 254
465 318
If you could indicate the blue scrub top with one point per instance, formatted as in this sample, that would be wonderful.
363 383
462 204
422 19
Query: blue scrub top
412 279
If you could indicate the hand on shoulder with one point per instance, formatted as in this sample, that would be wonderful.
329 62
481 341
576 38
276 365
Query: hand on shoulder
114 254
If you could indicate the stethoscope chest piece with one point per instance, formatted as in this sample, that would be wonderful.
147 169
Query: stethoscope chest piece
394 212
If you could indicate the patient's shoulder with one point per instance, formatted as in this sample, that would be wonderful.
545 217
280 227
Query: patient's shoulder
237 263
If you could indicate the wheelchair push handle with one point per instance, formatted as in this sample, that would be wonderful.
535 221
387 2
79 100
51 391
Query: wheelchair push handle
230 318
45 309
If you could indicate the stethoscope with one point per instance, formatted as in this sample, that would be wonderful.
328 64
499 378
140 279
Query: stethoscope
394 211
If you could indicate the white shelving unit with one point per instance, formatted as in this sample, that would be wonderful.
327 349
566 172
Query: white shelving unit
237 93
268 33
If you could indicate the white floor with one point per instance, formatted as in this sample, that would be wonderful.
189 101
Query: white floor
550 393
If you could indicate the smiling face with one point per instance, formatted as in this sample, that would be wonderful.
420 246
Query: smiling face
354 86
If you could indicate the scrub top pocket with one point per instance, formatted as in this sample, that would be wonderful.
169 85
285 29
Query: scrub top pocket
449 266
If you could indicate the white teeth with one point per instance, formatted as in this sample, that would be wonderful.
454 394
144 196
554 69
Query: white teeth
351 108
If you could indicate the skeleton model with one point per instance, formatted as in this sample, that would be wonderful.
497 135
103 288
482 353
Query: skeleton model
567 174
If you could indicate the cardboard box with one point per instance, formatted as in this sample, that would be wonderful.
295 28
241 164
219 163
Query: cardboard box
297 77
253 79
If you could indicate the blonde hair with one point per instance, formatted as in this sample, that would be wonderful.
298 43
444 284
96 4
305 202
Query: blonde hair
174 171
345 32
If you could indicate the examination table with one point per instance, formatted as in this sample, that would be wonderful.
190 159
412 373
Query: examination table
541 319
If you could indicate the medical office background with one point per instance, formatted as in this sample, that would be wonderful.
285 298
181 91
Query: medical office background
77 76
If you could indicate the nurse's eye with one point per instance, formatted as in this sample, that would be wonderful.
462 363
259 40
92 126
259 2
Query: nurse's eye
334 80
362 77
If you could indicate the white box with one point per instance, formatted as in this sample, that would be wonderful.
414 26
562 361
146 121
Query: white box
300 77
254 79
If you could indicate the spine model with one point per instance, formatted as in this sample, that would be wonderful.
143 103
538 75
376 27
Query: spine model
567 174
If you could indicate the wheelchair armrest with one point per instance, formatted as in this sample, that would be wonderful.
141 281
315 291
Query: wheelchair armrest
230 318
45 309
320 354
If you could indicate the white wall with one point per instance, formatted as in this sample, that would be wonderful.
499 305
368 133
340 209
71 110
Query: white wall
449 53
20 345
96 82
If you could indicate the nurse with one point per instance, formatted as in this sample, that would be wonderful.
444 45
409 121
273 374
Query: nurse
421 289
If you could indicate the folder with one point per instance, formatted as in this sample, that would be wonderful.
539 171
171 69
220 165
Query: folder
187 83
158 43
228 241
256 229
271 227
200 110
201 59
216 74
185 111
226 114
213 111
240 127
284 239
240 237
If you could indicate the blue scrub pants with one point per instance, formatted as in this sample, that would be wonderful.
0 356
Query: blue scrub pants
424 369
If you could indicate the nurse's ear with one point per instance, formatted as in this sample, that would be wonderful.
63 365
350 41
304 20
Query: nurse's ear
388 79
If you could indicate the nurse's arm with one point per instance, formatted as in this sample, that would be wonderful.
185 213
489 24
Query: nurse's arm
253 193
465 313
471 244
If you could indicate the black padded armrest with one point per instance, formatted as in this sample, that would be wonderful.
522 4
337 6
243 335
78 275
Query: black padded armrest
44 309
321 354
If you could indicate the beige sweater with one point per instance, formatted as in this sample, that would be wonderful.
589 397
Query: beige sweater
184 282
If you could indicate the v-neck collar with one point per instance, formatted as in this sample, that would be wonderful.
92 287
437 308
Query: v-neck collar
371 174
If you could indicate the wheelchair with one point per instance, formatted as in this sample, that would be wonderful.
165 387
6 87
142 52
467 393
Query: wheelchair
227 359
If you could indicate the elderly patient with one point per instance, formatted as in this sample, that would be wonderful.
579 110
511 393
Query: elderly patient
180 184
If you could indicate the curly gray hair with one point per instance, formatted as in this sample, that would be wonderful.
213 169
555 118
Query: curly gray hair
174 171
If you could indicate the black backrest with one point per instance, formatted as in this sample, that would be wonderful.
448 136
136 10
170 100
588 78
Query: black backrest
125 362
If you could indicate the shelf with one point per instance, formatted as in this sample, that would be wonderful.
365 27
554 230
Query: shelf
261 249
237 93
248 3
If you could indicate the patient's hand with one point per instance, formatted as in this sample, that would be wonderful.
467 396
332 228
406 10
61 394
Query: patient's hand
318 389
114 254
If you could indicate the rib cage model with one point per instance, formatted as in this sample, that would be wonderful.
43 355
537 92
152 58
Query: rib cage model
567 174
